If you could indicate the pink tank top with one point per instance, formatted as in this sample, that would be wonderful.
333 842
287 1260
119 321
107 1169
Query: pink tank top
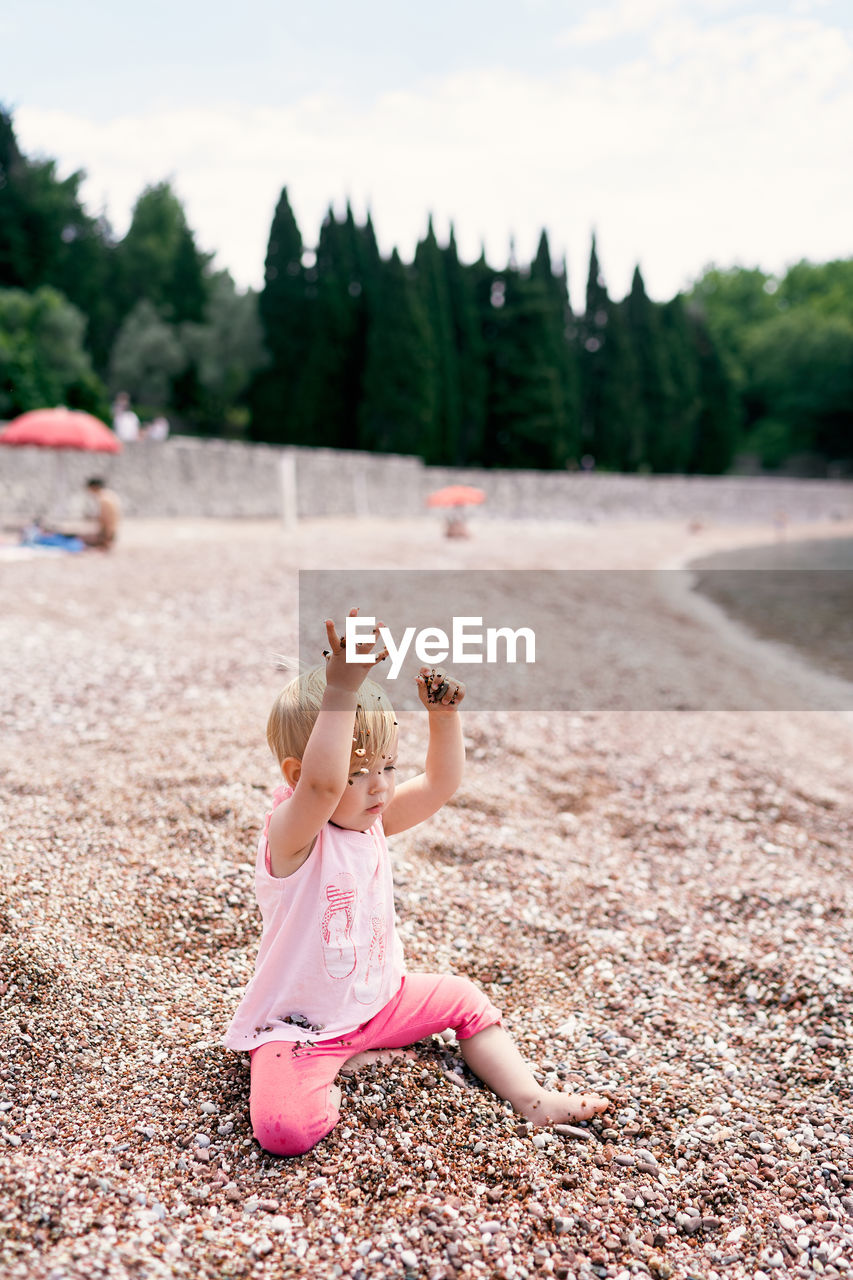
330 958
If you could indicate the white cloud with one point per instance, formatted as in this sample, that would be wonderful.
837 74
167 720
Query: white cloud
726 141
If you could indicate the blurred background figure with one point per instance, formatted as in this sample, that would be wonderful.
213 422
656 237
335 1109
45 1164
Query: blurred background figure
125 421
157 428
107 515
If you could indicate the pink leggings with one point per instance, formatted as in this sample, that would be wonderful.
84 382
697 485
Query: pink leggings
290 1105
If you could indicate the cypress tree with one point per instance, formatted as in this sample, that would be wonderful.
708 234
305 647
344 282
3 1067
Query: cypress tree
562 352
285 309
470 357
651 445
398 412
717 419
343 281
683 366
524 403
331 399
607 375
429 273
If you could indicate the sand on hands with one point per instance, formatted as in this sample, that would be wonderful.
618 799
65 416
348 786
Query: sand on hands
659 902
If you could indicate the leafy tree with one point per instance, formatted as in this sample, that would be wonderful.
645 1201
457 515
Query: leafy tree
800 375
42 358
225 353
825 288
46 237
148 355
158 260
732 302
785 342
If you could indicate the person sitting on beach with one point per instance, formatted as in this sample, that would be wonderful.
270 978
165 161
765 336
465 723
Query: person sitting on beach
108 516
101 537
330 982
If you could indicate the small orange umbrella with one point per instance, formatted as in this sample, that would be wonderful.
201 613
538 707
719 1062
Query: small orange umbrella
456 495
61 429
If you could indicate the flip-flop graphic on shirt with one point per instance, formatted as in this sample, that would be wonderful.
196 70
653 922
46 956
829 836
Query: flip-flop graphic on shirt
369 984
336 926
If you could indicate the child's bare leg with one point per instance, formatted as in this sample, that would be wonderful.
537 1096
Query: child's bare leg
367 1056
492 1055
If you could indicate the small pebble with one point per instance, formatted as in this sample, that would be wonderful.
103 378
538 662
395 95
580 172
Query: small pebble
572 1131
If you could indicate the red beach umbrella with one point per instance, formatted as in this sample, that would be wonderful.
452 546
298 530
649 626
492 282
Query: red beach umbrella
61 429
456 495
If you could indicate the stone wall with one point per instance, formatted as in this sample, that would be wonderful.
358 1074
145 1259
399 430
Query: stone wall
224 479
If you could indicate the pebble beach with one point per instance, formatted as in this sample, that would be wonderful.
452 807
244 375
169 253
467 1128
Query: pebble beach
659 901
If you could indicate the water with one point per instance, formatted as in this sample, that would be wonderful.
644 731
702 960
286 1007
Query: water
800 593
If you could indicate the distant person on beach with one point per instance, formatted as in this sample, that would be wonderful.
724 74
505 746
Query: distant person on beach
330 982
157 428
101 537
125 421
108 515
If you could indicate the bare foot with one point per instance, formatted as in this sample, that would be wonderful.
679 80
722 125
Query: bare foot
373 1055
562 1108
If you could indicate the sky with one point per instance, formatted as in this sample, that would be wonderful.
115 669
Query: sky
683 132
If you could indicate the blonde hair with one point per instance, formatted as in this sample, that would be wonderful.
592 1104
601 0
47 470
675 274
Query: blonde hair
295 712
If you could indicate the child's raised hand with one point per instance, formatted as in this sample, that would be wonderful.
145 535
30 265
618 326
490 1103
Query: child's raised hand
341 674
438 691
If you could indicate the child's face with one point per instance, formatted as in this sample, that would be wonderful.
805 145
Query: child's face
367 795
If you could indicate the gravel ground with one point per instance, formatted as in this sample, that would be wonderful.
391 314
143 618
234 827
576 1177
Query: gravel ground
659 902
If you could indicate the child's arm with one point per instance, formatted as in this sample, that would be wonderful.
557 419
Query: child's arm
419 798
321 776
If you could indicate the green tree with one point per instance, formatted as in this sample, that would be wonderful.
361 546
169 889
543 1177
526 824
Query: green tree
562 353
655 425
731 303
825 288
526 421
225 352
429 273
158 259
47 238
800 377
147 357
398 412
43 361
676 449
470 357
716 427
287 306
342 283
608 377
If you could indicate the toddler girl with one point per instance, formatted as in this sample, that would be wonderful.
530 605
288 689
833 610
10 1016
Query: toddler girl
330 982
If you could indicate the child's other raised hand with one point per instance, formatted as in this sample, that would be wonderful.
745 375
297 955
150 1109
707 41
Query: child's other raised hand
341 674
438 691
